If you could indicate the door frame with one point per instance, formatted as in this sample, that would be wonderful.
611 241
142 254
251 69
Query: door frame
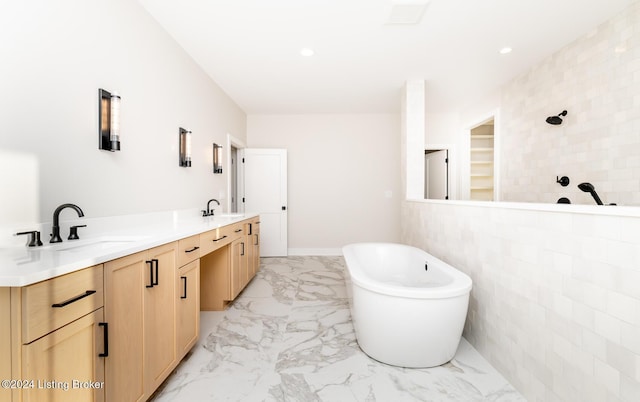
238 174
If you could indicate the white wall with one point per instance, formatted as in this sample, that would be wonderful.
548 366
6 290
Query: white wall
341 170
55 56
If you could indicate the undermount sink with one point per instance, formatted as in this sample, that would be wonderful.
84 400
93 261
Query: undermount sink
97 244
237 215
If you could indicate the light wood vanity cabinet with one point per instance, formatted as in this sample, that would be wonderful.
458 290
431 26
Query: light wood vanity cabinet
57 338
140 310
124 325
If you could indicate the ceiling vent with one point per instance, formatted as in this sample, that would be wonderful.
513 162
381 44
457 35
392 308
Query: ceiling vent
406 12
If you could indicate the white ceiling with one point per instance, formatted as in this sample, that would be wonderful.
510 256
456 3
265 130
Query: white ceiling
250 48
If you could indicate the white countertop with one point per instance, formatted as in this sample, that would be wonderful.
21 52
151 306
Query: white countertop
116 237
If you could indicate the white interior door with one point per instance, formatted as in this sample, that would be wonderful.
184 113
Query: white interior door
436 175
265 192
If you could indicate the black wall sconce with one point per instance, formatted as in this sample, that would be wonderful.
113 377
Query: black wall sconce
185 147
108 120
217 158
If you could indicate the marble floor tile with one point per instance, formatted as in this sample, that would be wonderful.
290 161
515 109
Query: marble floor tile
289 337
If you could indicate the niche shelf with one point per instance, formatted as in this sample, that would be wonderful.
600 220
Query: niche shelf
481 175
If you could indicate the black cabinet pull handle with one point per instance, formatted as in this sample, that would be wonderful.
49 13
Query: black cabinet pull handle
257 240
192 250
242 243
156 282
250 229
74 299
184 287
150 285
106 339
238 230
223 237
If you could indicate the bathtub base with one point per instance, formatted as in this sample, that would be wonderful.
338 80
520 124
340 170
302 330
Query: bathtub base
408 332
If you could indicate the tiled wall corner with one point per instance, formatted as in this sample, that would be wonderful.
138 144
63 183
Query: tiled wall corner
555 305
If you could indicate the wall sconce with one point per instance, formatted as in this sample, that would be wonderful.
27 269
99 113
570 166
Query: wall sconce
108 121
217 158
185 147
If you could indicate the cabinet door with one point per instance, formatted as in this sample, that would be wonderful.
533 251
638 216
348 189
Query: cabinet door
254 247
124 306
63 363
159 315
237 267
5 341
188 307
245 267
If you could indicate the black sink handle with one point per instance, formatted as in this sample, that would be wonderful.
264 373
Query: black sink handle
73 232
34 238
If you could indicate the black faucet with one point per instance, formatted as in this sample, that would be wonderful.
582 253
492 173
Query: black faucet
55 229
209 211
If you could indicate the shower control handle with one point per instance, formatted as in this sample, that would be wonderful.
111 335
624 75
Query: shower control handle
563 181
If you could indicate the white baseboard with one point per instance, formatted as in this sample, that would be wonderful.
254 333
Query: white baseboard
316 251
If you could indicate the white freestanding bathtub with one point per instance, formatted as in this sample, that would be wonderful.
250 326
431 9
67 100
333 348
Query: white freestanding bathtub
408 307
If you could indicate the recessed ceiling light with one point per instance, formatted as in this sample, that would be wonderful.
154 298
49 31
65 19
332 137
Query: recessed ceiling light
306 52
505 50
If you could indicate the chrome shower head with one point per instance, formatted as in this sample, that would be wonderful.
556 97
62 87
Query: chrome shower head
556 120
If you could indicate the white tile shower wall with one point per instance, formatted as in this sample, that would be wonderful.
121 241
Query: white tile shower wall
555 305
597 80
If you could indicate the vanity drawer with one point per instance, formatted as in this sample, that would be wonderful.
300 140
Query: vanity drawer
188 250
214 239
53 303
237 229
